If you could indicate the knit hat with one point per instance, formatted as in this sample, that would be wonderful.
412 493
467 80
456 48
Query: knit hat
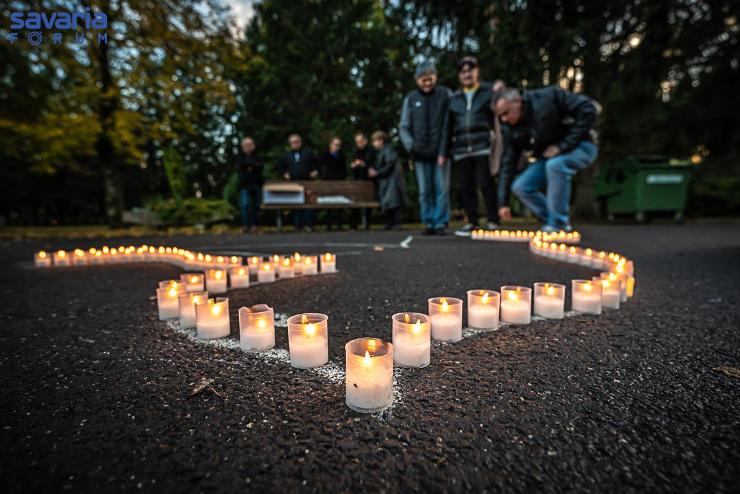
424 68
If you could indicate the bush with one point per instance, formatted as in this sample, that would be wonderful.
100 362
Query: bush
192 211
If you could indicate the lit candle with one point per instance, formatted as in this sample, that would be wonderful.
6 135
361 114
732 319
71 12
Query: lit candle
587 257
446 317
329 263
411 339
216 281
61 258
483 309
308 340
41 259
369 374
516 304
187 301
79 258
549 300
286 269
254 264
167 301
212 318
239 276
297 263
194 282
586 297
611 291
574 255
309 265
266 274
256 328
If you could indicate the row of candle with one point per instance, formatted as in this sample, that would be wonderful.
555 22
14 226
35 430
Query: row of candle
526 236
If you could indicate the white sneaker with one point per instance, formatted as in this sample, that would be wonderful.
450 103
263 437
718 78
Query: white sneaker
465 231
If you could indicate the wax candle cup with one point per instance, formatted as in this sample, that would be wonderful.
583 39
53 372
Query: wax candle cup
256 328
239 276
266 273
483 309
516 304
286 269
212 318
586 297
216 281
328 263
309 265
445 314
611 291
187 301
194 282
411 339
42 259
254 264
549 300
308 340
369 374
167 301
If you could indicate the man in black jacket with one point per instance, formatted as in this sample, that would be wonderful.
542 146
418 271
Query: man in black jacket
555 126
467 139
249 172
422 120
299 164
362 159
334 167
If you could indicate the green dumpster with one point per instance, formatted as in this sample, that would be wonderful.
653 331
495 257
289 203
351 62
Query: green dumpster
641 185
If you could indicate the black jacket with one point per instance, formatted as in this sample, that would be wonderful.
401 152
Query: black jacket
366 155
299 164
468 130
552 116
422 121
249 170
391 186
333 167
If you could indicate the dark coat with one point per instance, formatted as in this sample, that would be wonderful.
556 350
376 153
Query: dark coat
391 186
366 155
552 116
249 170
299 164
468 129
333 167
422 121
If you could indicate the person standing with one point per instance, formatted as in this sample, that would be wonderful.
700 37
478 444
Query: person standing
391 187
556 126
467 140
362 159
249 173
299 163
334 167
422 120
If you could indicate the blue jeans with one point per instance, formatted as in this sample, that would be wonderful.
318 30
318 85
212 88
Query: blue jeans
249 205
554 175
434 193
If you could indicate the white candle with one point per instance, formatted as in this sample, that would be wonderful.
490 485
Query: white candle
254 264
167 302
297 263
194 282
549 300
216 281
309 265
369 374
239 276
42 259
256 328
212 318
586 297
611 290
516 304
411 339
308 340
187 301
266 273
61 258
286 269
483 309
328 263
445 314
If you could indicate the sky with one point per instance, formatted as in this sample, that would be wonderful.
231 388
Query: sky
242 10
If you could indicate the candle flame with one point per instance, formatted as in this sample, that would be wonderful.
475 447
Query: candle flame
445 305
327 256
612 276
297 256
416 329
196 299
367 358
217 275
266 266
276 258
172 292
485 298
194 279
216 309
406 318
308 260
372 344
587 287
254 260
234 259
208 257
572 250
304 319
262 324
311 329
61 253
42 254
241 271
512 296
286 262
550 290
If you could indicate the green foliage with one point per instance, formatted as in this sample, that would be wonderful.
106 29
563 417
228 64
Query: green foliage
231 190
192 211
175 170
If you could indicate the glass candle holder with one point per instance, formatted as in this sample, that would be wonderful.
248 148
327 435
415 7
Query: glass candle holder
212 318
611 290
309 265
586 297
412 333
216 281
574 255
549 300
254 264
235 261
445 314
186 303
79 257
369 374
329 263
239 276
61 258
483 309
266 273
256 328
562 254
168 305
308 340
41 259
516 304
194 282
587 257
286 268
297 264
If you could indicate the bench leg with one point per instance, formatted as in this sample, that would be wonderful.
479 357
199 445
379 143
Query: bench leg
279 219
363 214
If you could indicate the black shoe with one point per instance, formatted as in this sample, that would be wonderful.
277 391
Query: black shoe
428 231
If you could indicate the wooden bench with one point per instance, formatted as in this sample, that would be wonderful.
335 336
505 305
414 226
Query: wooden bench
361 193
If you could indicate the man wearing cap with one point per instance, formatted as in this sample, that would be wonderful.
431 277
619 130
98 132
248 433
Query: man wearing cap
556 127
467 139
422 119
